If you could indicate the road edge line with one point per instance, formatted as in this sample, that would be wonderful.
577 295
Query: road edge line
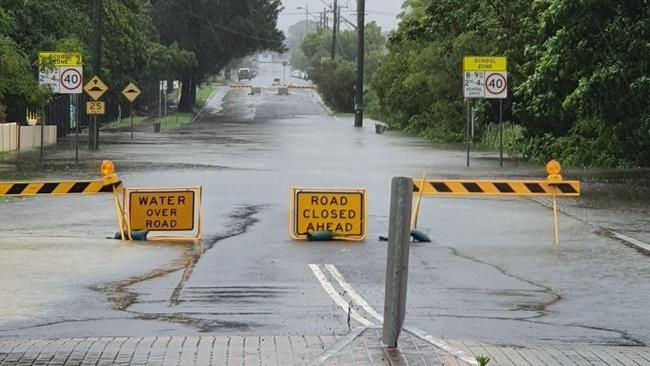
630 242
642 247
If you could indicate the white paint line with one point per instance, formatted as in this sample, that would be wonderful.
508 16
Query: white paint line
362 303
353 294
444 346
338 346
630 240
336 297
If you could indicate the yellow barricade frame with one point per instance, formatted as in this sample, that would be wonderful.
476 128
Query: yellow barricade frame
293 224
125 219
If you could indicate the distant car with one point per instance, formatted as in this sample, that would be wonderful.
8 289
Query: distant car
244 73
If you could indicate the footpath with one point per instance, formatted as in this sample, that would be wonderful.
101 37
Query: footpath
361 347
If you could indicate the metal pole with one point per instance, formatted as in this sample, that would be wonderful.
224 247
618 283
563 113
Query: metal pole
557 235
399 232
306 19
334 30
469 116
500 132
131 120
42 134
76 129
95 134
97 66
159 105
361 25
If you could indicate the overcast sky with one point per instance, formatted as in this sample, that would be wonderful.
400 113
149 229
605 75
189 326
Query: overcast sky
384 12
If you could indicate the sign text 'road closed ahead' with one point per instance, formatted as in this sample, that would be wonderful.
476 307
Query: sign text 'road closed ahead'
339 211
161 210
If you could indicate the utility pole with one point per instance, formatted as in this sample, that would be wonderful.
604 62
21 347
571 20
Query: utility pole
93 129
335 29
306 19
361 27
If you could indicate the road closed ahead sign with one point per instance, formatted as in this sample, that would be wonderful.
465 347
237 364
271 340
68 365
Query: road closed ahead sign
339 211
171 210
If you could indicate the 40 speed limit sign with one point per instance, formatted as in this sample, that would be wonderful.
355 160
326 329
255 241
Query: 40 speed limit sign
71 80
485 77
496 85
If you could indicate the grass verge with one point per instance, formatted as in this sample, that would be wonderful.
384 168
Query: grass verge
126 122
204 92
176 120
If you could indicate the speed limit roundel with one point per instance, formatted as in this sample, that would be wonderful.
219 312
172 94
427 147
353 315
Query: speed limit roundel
496 85
71 80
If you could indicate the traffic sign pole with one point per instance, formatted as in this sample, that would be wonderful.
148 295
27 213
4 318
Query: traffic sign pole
501 132
131 121
469 116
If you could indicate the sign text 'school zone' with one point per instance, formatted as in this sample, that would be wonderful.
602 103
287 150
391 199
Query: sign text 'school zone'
162 211
341 212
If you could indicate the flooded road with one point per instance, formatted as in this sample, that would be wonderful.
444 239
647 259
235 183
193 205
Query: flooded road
491 273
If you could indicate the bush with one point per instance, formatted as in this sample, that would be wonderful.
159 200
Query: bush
588 143
513 138
335 81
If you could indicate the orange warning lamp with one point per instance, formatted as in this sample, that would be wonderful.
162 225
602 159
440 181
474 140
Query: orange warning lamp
107 168
554 170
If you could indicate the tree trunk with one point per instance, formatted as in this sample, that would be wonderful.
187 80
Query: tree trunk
188 95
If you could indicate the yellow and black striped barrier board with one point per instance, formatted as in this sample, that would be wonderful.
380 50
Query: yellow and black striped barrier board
108 185
497 187
234 86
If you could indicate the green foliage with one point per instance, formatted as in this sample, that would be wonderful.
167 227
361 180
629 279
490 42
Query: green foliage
513 138
335 81
578 74
483 360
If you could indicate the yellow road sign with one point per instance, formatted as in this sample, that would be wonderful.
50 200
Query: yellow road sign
59 59
485 63
131 92
339 211
497 187
95 108
162 210
95 88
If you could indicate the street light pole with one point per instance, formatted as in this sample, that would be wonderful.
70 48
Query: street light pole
358 105
334 30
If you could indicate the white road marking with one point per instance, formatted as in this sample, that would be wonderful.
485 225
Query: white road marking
353 294
362 303
336 297
635 242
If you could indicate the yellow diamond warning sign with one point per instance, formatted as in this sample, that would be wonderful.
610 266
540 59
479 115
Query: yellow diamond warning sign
161 210
341 212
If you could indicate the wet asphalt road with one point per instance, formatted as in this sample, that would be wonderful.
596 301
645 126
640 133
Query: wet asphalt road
491 274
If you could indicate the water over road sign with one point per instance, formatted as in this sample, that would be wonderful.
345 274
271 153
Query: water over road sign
339 211
161 210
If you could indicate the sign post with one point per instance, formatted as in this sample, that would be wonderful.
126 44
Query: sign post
62 72
95 89
341 212
485 77
131 92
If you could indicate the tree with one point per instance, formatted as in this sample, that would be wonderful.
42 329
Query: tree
216 32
